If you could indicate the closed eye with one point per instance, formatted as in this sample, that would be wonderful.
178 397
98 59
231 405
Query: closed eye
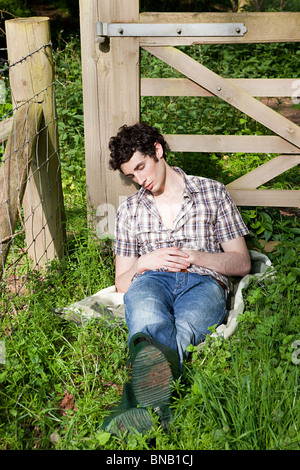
139 167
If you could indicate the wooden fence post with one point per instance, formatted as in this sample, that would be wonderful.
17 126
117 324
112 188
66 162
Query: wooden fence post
19 152
32 79
111 96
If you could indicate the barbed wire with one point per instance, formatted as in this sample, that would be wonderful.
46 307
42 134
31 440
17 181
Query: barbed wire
49 44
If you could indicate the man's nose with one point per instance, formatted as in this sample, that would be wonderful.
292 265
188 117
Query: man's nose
140 180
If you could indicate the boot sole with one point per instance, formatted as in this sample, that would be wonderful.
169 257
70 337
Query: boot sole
136 419
152 377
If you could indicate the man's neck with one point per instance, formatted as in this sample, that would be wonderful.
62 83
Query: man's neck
174 185
169 202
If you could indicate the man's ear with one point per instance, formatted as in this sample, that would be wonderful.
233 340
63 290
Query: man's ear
158 150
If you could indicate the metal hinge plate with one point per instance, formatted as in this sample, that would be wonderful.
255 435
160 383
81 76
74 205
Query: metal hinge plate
169 30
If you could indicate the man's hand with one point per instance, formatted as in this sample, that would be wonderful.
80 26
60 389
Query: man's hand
171 259
233 261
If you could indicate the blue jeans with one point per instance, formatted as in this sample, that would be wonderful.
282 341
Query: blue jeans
176 309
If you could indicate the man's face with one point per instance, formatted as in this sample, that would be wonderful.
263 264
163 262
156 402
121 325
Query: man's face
147 172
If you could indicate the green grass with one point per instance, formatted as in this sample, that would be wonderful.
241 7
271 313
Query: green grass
238 394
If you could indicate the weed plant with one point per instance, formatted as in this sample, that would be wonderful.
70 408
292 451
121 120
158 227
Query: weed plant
59 380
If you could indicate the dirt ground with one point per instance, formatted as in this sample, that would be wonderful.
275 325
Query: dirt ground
284 106
60 19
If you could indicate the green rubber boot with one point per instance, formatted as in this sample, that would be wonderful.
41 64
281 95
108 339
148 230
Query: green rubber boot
154 367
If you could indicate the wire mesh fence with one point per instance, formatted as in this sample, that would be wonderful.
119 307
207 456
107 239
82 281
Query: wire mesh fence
31 200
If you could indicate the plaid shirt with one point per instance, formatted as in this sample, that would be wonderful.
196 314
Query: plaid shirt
208 217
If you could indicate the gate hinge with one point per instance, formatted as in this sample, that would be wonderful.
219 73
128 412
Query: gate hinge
104 30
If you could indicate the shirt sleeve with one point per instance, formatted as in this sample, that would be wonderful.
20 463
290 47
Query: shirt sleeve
229 224
125 242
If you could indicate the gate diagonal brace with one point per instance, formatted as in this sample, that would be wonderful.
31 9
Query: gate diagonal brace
106 30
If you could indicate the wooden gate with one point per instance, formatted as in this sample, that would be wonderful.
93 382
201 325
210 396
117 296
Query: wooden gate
112 90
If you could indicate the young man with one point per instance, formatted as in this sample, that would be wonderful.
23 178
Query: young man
176 241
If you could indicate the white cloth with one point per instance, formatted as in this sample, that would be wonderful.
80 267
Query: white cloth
108 305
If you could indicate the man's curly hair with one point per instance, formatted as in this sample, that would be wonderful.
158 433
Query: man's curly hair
140 137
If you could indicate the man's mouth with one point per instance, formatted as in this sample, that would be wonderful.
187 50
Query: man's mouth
148 186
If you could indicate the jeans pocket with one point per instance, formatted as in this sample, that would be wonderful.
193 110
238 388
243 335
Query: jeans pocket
221 290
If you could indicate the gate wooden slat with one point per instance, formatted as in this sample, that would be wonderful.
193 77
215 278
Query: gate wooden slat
262 27
263 87
229 143
265 172
265 197
230 93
